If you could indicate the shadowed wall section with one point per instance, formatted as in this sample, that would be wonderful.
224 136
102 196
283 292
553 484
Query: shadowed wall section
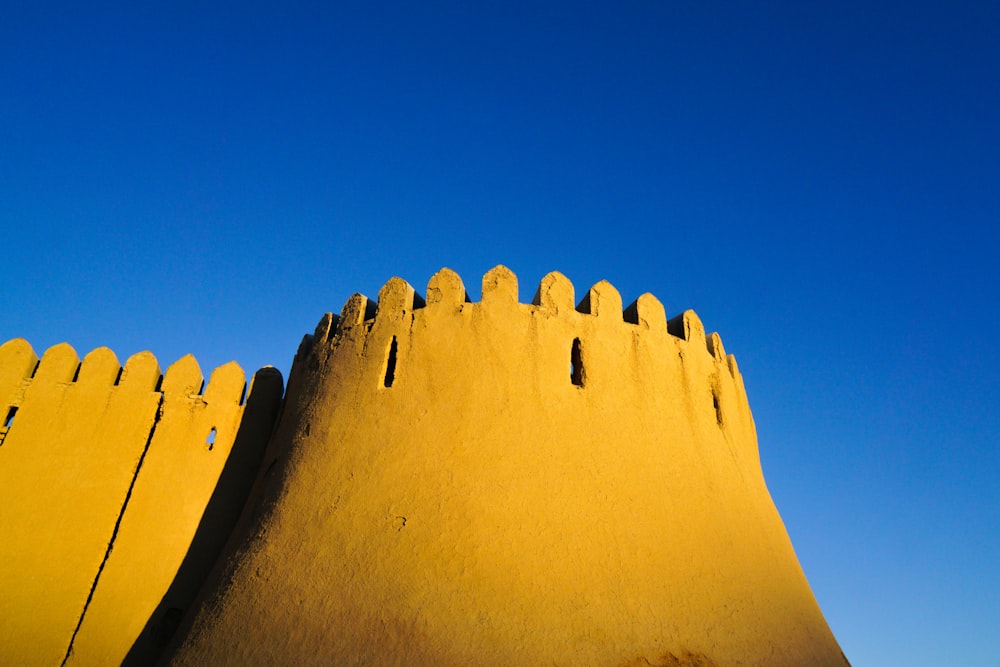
457 483
105 476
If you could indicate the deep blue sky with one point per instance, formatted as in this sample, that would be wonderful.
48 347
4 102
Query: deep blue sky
819 181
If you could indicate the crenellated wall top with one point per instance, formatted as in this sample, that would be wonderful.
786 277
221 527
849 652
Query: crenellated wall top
554 297
101 369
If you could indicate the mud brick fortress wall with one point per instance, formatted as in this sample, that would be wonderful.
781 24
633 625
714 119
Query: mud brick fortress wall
106 473
445 482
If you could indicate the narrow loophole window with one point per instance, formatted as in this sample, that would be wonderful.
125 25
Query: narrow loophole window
210 440
10 417
390 364
718 408
576 364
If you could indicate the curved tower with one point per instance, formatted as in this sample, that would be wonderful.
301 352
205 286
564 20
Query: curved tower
456 483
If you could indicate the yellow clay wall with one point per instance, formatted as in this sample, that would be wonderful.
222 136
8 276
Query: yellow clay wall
443 490
105 474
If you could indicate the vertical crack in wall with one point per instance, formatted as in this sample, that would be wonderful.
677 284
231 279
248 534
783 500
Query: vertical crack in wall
114 533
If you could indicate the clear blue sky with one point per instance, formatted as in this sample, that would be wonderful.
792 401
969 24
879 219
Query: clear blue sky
819 181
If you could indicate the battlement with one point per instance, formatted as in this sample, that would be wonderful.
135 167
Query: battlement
106 473
554 297
556 343
101 375
101 368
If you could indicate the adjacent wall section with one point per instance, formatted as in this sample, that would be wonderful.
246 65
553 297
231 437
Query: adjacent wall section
105 476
